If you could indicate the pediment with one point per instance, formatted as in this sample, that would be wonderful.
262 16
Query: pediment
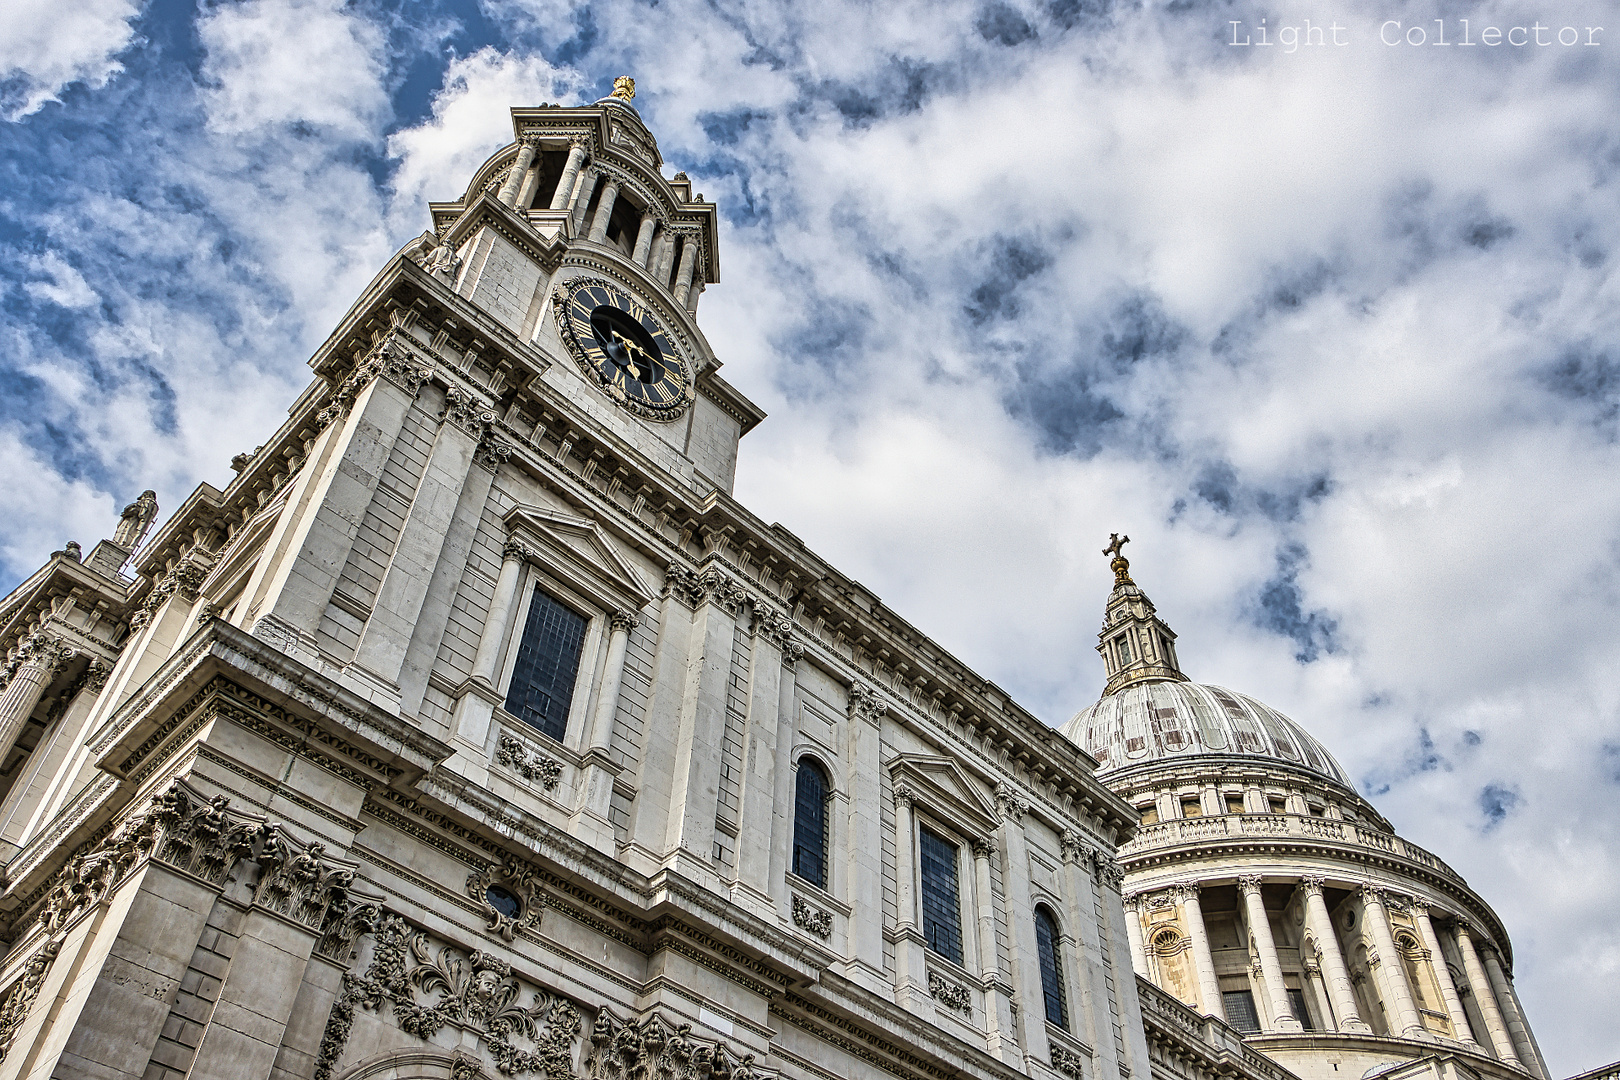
941 782
579 553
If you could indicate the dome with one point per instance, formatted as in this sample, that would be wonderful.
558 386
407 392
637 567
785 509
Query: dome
1160 720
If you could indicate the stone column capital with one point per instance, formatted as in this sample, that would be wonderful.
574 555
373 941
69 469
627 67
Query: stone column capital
904 795
1249 884
1010 806
516 551
1312 884
1371 894
623 621
981 848
1184 891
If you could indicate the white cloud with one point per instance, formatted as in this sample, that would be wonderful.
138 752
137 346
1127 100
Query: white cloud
48 46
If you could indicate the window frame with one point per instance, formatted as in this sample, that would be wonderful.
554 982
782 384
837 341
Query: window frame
1057 987
949 838
827 794
586 676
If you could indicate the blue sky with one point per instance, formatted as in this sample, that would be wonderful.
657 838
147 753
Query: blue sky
1330 332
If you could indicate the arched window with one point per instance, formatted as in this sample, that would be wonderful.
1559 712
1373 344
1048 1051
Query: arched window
1046 944
810 824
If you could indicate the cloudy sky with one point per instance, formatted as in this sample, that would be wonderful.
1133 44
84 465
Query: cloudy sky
1331 331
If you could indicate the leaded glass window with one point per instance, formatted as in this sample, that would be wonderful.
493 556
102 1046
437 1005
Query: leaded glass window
941 910
1240 1011
547 664
810 824
1046 944
1296 1004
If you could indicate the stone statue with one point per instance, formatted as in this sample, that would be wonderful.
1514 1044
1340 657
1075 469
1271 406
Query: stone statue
70 550
624 88
136 521
434 255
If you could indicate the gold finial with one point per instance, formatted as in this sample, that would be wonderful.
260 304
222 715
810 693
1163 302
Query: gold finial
1119 565
624 88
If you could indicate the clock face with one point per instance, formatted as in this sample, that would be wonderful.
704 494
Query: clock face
625 348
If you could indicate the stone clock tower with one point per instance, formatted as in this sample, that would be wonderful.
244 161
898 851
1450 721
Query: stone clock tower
473 729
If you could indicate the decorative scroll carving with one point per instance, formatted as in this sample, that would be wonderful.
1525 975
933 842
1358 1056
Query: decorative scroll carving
1067 1062
19 996
776 626
684 585
1009 805
528 762
658 1050
722 590
492 452
518 881
466 412
817 922
517 549
903 794
203 838
950 994
1312 884
46 650
1077 850
476 992
982 848
864 703
1109 872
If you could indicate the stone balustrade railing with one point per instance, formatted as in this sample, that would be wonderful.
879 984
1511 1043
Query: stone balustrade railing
1204 829
1222 1044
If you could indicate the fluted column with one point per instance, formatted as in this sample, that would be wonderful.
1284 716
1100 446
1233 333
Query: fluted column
500 610
1209 987
1485 997
604 211
1389 962
1133 932
649 222
588 179
514 178
1442 974
1340 990
565 184
905 859
997 1014
1282 1015
666 252
33 667
683 276
1518 1030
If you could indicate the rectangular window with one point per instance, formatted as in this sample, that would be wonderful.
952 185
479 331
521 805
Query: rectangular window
1149 812
1234 803
1240 1011
1191 808
1124 651
547 665
941 910
1279 806
1296 1005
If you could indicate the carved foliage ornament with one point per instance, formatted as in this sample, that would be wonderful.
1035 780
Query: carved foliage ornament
184 580
655 1049
476 992
19 996
949 994
41 649
808 918
516 905
391 359
528 762
1067 1062
864 704
1009 805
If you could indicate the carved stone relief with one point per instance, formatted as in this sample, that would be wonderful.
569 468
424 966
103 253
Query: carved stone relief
655 1049
509 896
806 917
528 762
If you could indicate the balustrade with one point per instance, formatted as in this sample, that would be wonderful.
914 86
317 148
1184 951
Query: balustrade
1216 827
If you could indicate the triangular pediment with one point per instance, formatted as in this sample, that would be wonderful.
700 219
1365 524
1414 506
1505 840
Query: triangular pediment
580 554
941 781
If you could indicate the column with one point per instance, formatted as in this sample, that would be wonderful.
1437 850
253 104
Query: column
1485 997
1313 980
693 295
1133 931
1394 971
863 859
582 198
1026 965
999 1038
570 173
905 858
763 760
36 662
1540 1066
1270 968
649 221
782 800
683 277
604 211
1096 981
700 731
500 610
514 179
1342 993
620 623
1209 987
1442 973
591 822
666 252
1507 1001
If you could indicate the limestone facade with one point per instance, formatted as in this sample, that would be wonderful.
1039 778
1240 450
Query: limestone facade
1261 890
468 731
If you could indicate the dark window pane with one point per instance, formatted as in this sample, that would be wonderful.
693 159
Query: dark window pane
1296 1005
1240 1011
547 663
942 913
1046 943
810 825
504 901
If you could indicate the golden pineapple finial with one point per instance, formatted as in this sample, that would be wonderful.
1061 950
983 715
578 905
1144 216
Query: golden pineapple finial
624 88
